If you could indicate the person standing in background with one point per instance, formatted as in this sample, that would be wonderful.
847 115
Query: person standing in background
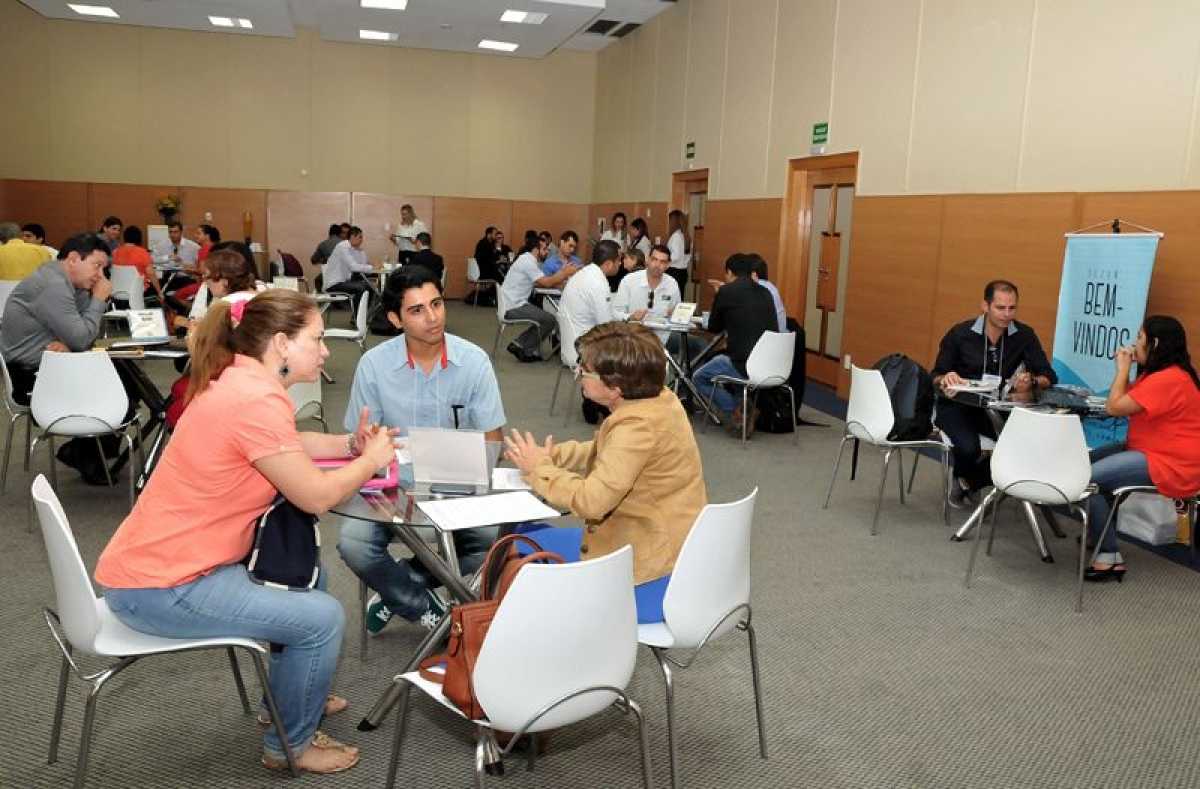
406 233
680 244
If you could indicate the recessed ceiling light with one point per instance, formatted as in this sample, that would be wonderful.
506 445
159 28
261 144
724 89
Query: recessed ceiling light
377 35
387 5
502 46
94 10
221 21
245 23
523 17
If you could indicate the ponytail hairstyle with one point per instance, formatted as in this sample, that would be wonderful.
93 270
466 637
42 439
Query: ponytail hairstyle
1166 346
245 328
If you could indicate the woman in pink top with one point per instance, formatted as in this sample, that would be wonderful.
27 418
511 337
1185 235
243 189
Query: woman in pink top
1162 447
173 567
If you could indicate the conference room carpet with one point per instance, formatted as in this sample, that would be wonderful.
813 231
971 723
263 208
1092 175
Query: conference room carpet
880 669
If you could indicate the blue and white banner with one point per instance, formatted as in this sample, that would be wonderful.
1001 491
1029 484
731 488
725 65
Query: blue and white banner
1101 305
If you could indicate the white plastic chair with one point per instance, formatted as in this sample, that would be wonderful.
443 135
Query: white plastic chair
561 648
501 321
869 419
569 356
357 335
1119 497
7 286
768 367
1040 458
307 399
477 284
127 286
15 411
708 595
82 621
61 407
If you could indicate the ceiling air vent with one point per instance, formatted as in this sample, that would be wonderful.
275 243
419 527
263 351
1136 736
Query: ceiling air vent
601 27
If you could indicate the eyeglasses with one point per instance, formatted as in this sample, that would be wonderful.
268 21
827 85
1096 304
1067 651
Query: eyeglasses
588 374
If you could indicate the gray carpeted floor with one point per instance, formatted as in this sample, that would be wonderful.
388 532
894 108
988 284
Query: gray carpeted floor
880 669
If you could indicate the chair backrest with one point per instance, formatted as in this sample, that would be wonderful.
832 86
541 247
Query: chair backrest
501 304
770 361
869 414
9 403
560 628
127 285
712 573
566 338
59 400
304 394
360 315
7 286
1041 457
75 601
472 270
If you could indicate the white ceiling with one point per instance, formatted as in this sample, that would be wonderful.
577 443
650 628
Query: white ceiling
450 25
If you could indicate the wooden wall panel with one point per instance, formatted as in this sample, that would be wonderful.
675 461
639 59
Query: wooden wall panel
298 221
461 222
59 206
378 215
555 217
890 286
739 226
1013 237
133 204
226 206
1175 288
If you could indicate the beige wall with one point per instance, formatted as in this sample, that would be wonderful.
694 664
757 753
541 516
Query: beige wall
938 96
111 104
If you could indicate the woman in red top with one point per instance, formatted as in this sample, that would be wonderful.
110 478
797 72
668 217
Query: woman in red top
1162 447
132 253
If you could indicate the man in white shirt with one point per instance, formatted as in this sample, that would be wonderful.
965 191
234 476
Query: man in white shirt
407 231
680 245
648 293
175 250
759 275
525 275
347 260
587 301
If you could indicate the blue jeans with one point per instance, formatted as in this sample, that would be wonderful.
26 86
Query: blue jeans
226 602
703 379
1113 466
403 584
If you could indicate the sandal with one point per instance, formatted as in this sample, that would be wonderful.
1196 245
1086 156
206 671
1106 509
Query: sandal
323 755
333 705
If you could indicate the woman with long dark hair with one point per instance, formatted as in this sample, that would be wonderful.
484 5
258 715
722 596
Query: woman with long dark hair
1161 448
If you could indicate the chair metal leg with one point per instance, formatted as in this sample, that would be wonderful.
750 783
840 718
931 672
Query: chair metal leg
398 740
362 610
1193 516
978 536
237 680
28 437
85 735
273 711
912 473
1082 556
795 427
554 394
745 413
56 729
499 331
672 748
836 463
644 742
900 475
757 679
887 461
1038 538
12 423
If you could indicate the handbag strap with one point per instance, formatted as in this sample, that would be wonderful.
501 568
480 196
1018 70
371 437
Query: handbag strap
508 576
498 556
428 664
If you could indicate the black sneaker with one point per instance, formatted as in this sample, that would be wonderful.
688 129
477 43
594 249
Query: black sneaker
961 495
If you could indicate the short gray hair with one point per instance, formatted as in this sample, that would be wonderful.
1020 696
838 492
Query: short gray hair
9 231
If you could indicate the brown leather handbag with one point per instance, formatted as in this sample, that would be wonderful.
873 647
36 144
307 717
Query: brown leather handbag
469 622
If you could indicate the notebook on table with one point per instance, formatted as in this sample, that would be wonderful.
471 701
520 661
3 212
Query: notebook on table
146 327
451 462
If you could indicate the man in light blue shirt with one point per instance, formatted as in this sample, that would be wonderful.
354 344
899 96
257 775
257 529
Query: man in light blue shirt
568 242
423 378
759 275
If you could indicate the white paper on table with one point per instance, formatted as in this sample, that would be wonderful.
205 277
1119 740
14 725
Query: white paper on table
471 512
402 456
508 479
973 386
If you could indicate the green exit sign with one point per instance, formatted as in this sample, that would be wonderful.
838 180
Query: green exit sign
820 134
689 150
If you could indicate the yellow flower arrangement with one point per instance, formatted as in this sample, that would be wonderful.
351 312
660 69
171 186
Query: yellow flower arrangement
169 204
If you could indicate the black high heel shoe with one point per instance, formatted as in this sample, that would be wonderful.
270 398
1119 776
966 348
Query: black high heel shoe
1097 575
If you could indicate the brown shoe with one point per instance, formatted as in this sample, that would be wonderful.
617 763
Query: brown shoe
322 756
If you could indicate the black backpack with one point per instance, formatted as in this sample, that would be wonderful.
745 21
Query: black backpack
911 389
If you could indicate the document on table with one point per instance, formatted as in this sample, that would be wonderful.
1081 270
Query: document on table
508 479
973 386
470 512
